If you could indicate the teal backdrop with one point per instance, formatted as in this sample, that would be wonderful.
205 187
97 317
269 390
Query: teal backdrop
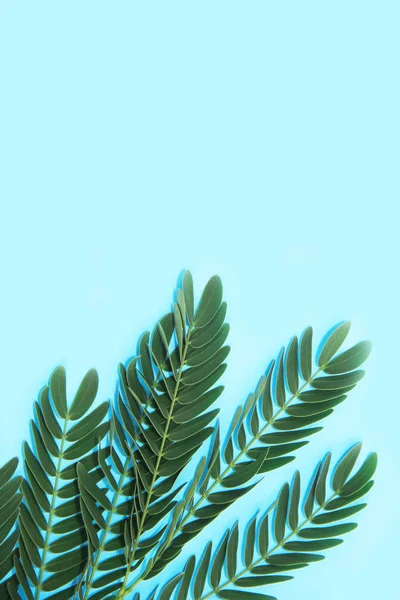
258 140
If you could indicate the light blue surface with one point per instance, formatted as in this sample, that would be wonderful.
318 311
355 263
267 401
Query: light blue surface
258 140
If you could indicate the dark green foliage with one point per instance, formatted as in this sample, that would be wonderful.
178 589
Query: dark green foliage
107 503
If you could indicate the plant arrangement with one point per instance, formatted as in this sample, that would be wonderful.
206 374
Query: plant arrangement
110 495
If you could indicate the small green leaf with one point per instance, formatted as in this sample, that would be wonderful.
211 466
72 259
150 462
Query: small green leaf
320 488
218 562
349 360
187 287
362 477
201 574
281 513
169 587
231 551
316 533
345 500
210 301
333 343
266 402
85 395
337 515
58 391
344 467
313 546
294 558
280 394
294 502
239 595
263 535
291 366
87 424
187 577
306 354
337 382
250 541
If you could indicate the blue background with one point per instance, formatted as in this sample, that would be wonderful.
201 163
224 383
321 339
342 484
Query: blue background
257 140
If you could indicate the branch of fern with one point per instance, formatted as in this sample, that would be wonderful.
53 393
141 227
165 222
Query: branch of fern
265 556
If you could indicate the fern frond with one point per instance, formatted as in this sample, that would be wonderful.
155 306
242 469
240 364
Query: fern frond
53 537
10 500
280 541
290 399
161 419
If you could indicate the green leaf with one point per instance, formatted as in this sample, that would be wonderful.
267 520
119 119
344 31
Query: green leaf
263 535
289 423
362 477
336 382
87 443
90 422
159 348
187 287
310 498
263 580
345 500
323 395
169 587
294 502
320 488
250 541
315 533
198 356
8 470
289 436
231 551
291 366
85 395
230 496
313 546
195 375
239 595
145 360
218 562
186 412
280 394
333 343
243 472
281 514
210 301
308 410
41 450
204 336
59 579
37 470
344 467
58 391
178 433
201 574
187 577
87 482
337 515
305 351
50 419
193 392
294 558
349 360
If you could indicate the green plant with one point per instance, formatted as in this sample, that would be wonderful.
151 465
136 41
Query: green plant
96 518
